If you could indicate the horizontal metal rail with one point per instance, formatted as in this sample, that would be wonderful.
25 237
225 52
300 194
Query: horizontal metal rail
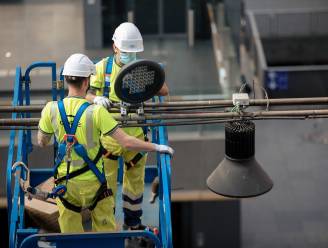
185 123
87 239
179 105
131 120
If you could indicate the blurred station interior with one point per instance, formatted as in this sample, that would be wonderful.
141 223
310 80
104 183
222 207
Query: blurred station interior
209 49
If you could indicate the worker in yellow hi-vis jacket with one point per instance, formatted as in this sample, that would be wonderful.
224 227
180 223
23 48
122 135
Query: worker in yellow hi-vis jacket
127 43
79 173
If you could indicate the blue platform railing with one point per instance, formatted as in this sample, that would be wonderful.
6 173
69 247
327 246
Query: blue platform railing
20 146
164 173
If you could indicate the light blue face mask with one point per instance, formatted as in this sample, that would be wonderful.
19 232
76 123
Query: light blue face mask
126 58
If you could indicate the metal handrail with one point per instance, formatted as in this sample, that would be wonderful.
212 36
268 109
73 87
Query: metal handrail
87 238
14 217
15 200
164 167
27 81
35 65
11 147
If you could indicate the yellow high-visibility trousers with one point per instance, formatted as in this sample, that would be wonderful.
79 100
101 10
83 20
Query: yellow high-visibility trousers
82 193
133 179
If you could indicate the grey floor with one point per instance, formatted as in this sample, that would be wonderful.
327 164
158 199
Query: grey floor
150 211
293 214
52 30
283 4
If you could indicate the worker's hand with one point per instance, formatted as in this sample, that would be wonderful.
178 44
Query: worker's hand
164 149
103 101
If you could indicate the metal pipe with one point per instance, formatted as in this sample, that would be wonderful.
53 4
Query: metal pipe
32 109
197 104
185 123
21 109
205 122
38 108
321 113
252 102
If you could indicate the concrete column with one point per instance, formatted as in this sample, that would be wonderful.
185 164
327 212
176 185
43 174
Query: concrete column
93 24
131 16
191 28
220 16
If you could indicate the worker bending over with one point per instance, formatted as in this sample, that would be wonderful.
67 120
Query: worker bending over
79 173
127 43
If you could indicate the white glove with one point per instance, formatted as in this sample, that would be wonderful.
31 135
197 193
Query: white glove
103 101
164 149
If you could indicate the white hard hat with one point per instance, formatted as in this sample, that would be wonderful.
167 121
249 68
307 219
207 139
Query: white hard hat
127 38
79 65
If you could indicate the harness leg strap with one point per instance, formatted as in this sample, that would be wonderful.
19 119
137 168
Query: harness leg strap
69 205
134 160
101 194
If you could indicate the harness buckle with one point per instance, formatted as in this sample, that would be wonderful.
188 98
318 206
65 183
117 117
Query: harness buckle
58 191
70 138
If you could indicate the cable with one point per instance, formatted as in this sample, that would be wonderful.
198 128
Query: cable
242 87
267 98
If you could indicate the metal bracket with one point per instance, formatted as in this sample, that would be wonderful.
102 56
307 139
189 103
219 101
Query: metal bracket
23 79
140 110
24 183
124 107
58 84
241 99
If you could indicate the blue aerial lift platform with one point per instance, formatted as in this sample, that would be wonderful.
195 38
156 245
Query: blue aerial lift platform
21 146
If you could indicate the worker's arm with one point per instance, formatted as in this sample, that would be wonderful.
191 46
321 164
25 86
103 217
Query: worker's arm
132 143
108 126
164 91
45 126
43 139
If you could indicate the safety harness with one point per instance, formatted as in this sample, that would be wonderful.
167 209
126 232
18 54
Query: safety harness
138 156
65 148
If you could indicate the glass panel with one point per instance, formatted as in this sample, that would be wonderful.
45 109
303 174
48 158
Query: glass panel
146 16
174 21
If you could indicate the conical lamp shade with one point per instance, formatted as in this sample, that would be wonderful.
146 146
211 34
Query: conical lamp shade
239 174
239 178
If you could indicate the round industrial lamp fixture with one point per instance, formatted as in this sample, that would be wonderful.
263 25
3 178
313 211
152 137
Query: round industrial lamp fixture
139 81
239 174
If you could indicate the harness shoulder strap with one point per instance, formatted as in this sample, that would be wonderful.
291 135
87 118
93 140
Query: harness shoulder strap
109 65
68 128
108 72
78 117
63 117
80 150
